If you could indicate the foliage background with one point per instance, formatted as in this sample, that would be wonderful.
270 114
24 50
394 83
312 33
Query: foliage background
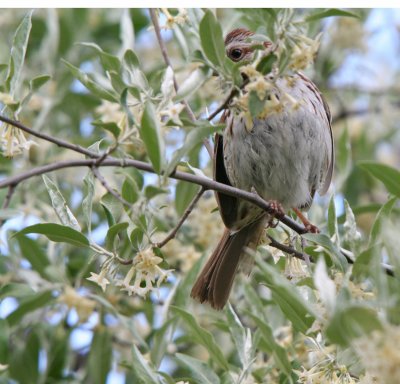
331 321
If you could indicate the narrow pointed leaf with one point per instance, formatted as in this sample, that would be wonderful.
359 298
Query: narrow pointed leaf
150 132
57 233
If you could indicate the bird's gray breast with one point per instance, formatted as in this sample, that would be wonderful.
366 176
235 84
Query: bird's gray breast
284 157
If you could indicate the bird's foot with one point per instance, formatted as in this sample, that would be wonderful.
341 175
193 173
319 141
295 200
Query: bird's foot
311 228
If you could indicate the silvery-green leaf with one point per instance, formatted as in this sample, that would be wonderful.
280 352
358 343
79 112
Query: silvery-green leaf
60 205
127 32
18 51
87 202
195 80
352 235
326 287
97 89
150 133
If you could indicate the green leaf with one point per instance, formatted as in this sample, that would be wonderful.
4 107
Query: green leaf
24 365
142 368
15 290
212 40
364 262
150 132
60 205
352 322
87 203
131 73
255 104
203 337
97 89
266 63
34 254
29 304
18 51
38 82
127 32
4 339
184 194
278 352
323 240
130 191
386 174
286 296
382 215
108 126
201 372
108 61
113 232
112 208
344 157
195 136
100 356
241 337
161 338
191 85
151 191
332 220
329 13
57 233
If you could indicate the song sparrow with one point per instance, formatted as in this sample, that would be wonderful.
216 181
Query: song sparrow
284 158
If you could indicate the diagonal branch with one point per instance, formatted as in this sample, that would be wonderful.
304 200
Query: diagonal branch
7 200
188 211
205 182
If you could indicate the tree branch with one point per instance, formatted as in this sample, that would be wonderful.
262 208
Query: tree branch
51 139
289 250
189 209
205 182
104 183
7 200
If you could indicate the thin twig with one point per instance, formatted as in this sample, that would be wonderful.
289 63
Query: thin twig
104 183
226 102
189 209
288 249
167 61
7 200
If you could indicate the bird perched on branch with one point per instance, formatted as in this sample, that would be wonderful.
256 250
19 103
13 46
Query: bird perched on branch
284 156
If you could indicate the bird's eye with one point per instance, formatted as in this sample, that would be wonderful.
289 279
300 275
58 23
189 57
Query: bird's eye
236 54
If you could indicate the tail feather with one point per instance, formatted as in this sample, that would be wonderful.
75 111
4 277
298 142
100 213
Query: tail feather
215 280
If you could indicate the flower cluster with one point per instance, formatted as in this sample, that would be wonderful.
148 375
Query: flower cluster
180 18
145 271
303 53
13 141
72 299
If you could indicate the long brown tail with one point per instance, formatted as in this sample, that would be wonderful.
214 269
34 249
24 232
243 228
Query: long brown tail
215 280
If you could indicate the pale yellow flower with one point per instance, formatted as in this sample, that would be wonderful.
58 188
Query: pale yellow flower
180 18
110 112
13 141
183 254
250 72
3 367
380 354
172 113
303 53
99 279
145 271
72 299
261 86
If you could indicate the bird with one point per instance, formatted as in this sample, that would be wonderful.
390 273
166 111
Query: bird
284 157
